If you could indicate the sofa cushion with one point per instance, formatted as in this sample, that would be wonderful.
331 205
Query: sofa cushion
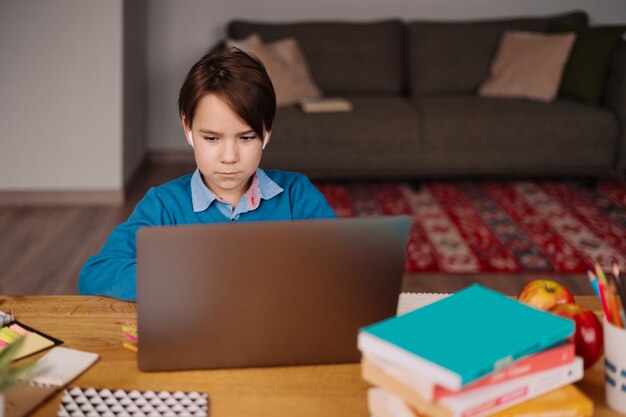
372 136
344 58
506 135
285 64
454 57
528 65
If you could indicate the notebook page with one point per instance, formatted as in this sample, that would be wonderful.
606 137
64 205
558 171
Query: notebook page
410 301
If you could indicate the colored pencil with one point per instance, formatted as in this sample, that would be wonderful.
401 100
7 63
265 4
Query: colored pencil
621 286
600 273
593 281
605 307
614 305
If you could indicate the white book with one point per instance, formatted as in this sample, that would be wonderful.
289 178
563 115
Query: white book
50 373
418 383
384 404
485 401
566 401
60 366
325 105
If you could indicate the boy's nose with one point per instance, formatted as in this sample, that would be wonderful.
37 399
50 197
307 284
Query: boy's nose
230 153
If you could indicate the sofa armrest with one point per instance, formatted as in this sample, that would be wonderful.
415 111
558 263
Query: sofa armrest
615 99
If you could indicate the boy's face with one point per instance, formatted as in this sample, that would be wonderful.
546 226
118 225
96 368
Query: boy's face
226 149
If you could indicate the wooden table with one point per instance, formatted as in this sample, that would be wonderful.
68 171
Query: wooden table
94 324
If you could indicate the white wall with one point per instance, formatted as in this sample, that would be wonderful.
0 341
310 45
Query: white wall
60 95
179 33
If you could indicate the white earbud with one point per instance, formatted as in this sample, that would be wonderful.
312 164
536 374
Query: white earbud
190 138
266 138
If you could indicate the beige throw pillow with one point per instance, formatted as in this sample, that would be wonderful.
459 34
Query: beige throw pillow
246 43
286 65
528 65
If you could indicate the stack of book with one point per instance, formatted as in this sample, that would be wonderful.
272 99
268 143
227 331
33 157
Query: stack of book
473 354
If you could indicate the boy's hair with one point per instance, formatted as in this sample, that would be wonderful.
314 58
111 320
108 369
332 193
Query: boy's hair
236 78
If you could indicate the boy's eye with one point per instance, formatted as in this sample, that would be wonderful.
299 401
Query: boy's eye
247 138
210 138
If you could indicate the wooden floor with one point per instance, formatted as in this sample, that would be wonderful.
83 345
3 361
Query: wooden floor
42 249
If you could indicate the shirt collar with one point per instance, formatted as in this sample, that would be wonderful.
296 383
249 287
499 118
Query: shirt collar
267 187
202 197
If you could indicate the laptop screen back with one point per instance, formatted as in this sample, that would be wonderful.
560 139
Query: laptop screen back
264 294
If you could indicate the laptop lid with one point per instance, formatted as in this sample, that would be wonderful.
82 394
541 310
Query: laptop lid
264 294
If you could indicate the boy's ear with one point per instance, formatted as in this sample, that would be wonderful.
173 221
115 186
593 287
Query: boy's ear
187 130
266 138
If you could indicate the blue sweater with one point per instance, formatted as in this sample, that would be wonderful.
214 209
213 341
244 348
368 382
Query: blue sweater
112 271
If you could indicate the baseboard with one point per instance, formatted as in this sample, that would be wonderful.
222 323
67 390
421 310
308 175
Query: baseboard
171 157
61 198
94 198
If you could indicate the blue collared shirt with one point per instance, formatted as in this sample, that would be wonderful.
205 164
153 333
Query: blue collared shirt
262 187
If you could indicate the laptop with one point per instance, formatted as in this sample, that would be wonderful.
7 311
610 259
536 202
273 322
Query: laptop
264 294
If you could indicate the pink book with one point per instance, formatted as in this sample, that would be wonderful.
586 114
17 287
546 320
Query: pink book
550 358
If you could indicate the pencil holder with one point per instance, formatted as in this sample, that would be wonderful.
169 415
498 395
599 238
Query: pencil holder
615 366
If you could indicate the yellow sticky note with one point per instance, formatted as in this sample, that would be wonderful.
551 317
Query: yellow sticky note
11 333
130 330
33 343
7 335
130 346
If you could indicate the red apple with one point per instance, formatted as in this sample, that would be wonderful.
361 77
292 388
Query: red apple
544 293
588 337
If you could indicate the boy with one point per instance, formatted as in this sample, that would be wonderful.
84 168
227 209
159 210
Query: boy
227 106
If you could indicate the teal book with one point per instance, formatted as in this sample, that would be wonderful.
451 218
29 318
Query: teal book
464 337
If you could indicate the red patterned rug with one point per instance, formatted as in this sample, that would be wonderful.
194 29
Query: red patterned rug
471 227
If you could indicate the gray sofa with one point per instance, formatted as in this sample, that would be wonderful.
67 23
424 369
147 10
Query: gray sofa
416 111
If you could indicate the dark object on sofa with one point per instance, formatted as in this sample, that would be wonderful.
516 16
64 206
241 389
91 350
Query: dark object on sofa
585 73
416 111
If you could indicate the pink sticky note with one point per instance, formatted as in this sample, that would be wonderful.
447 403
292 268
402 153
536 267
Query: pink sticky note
130 337
19 329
